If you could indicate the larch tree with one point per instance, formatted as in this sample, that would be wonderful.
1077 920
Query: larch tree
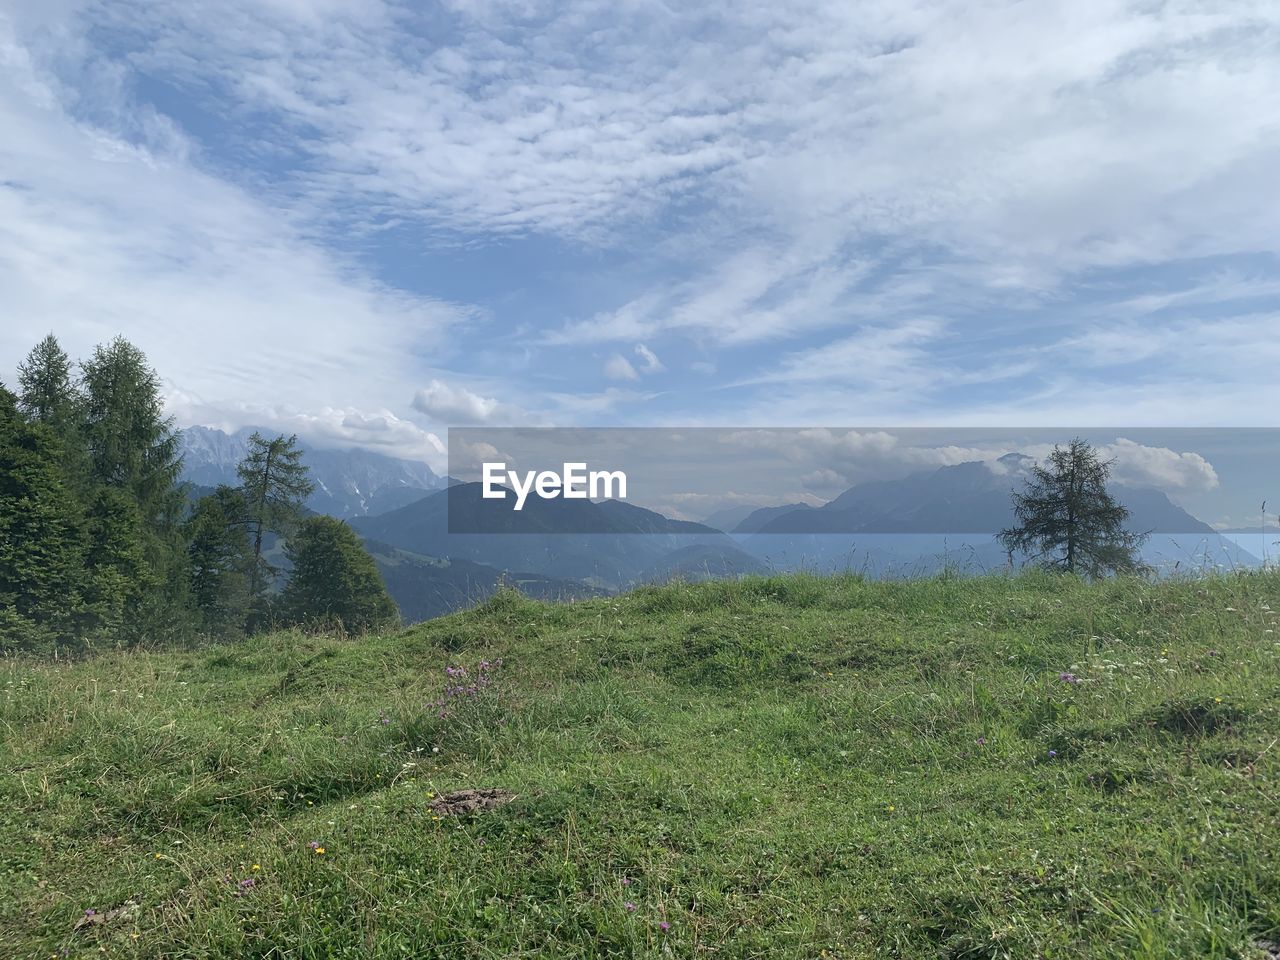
1066 520
133 449
275 485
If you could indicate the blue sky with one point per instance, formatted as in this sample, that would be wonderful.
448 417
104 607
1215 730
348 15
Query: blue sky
368 221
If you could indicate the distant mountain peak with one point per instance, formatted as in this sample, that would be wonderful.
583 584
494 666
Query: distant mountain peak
349 482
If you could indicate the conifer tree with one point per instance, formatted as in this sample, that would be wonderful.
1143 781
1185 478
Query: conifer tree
274 480
221 560
133 446
334 580
48 391
133 449
1066 519
120 582
42 542
50 395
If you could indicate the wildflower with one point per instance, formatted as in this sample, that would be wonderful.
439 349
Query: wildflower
1217 699
320 850
981 741
630 907
246 883
256 867
1052 754
1068 678
626 881
664 926
90 912
891 808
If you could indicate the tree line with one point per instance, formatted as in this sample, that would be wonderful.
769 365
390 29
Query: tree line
102 542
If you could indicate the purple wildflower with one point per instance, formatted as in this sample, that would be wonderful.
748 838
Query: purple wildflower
1052 754
1068 678
664 926
246 883
630 907
314 844
981 741
90 912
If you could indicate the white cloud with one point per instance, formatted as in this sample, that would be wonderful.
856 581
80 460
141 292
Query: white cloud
1140 465
459 406
230 300
648 359
888 177
618 367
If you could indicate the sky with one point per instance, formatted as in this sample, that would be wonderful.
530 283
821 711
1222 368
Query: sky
370 221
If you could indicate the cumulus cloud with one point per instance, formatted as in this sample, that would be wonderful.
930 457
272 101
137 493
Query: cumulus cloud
450 404
1159 467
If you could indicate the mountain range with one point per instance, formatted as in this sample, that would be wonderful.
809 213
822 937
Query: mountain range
606 545
441 546
349 483
973 498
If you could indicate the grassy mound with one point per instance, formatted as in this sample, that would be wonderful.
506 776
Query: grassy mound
783 767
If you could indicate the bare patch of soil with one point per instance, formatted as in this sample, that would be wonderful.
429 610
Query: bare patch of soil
462 802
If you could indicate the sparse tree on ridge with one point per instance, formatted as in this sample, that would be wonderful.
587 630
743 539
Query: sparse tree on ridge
275 485
334 580
1066 519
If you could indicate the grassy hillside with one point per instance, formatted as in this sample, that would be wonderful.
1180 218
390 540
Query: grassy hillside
788 767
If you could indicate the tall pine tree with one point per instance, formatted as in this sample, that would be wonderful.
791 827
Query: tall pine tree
48 391
274 480
133 449
50 395
42 540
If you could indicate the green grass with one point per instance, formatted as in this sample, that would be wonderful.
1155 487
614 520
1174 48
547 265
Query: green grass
786 767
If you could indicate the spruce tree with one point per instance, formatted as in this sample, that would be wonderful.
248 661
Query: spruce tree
1066 519
274 480
221 559
334 581
42 538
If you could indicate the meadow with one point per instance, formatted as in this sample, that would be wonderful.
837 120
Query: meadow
1028 766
